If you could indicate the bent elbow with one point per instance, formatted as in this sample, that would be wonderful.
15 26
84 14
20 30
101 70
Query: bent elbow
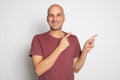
76 70
38 73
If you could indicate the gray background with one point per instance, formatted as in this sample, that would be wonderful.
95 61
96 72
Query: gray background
20 20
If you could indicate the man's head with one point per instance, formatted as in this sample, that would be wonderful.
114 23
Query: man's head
55 17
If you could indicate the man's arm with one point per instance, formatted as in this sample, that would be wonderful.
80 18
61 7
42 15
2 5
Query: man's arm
42 65
79 62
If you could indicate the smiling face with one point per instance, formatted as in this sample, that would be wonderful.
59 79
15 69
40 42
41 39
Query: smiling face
55 17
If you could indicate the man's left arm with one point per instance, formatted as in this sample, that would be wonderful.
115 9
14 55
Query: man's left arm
79 62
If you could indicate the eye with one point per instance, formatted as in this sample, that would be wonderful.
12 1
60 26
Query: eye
59 15
50 15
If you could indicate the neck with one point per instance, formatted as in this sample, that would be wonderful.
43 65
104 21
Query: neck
57 33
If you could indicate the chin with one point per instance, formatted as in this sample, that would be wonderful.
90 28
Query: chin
55 29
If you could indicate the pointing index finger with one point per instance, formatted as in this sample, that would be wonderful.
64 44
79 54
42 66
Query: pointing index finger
67 35
93 36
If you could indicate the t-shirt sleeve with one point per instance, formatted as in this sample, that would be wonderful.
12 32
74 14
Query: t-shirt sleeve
36 48
77 48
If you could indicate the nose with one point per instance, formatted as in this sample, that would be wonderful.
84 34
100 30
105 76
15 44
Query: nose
54 18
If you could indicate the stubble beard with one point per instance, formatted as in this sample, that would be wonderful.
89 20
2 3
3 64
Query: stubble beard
56 29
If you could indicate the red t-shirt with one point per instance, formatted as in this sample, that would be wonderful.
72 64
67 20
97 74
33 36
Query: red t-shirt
43 44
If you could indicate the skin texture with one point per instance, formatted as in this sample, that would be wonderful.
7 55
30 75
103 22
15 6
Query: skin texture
55 19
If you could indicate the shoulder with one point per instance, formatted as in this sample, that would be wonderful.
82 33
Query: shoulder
42 35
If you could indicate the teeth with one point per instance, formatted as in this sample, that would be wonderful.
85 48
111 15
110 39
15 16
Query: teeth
55 23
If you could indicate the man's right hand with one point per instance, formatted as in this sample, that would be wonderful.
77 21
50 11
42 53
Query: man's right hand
64 43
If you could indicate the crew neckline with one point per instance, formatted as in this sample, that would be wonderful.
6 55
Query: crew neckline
55 37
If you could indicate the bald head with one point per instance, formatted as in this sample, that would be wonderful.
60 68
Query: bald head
55 6
55 17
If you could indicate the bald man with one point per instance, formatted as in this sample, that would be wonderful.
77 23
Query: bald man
57 54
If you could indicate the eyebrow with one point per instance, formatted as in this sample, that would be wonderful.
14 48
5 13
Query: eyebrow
57 13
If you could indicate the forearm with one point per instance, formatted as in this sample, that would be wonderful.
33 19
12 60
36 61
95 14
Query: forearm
80 62
48 62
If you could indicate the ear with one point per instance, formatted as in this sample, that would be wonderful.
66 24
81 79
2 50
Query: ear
64 18
47 18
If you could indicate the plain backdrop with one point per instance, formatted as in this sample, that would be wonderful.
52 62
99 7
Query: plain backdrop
20 20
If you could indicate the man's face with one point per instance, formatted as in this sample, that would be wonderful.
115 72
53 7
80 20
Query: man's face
55 18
